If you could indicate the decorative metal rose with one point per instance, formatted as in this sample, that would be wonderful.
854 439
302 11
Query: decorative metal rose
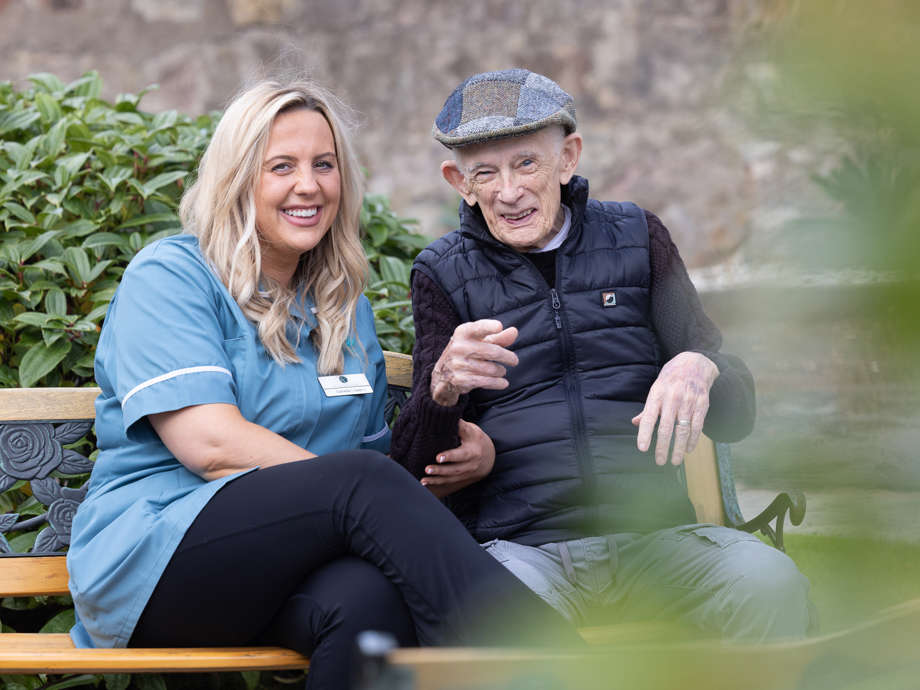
60 517
28 451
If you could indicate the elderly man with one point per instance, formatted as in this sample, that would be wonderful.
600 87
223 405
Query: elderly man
556 324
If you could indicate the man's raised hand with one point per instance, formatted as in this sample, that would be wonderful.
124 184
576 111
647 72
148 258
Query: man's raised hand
475 357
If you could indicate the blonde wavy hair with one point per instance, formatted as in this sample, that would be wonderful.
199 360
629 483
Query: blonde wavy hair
220 209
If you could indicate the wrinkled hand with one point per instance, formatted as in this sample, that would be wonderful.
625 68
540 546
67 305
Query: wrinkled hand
461 466
680 393
475 357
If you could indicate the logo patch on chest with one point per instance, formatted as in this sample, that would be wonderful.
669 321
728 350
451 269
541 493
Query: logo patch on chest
609 299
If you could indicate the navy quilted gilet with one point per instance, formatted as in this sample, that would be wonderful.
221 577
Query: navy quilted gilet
566 459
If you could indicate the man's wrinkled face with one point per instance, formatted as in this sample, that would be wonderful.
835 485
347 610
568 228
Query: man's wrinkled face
517 183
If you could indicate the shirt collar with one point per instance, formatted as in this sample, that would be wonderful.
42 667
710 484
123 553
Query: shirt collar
557 239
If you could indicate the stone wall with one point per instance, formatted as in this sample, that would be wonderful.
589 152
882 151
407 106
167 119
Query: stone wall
647 77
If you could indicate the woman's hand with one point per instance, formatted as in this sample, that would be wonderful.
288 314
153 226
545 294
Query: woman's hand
461 466
214 440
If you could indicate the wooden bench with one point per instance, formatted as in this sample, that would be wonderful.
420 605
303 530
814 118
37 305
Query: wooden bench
34 425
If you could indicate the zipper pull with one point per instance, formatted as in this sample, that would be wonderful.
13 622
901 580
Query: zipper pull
556 306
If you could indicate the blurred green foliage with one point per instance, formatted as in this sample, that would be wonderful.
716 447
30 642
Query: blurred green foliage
854 67
84 184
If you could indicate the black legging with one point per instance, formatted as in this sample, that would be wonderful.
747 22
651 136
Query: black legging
307 554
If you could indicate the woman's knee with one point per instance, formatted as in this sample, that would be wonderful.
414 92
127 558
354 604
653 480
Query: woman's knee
376 467
340 600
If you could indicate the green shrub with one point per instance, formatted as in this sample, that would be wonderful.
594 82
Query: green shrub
84 184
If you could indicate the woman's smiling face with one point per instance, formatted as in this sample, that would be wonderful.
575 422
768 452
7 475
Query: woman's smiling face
298 192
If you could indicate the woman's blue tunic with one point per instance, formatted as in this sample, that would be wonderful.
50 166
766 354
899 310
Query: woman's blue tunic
174 337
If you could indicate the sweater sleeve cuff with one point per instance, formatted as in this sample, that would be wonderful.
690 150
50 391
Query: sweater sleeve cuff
716 358
438 419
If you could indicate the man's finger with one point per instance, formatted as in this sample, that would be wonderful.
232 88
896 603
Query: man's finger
478 330
505 338
665 432
681 437
648 417
696 425
491 352
484 367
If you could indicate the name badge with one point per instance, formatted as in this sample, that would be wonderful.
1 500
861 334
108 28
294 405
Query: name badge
345 384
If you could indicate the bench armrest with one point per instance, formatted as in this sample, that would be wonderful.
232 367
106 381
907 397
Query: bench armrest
791 503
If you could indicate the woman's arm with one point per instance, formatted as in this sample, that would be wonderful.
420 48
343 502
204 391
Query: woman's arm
214 440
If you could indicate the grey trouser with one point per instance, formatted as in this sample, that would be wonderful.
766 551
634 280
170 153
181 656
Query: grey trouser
721 580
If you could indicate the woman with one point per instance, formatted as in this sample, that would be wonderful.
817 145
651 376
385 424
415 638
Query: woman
240 495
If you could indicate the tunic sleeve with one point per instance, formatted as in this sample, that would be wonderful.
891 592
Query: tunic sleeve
163 346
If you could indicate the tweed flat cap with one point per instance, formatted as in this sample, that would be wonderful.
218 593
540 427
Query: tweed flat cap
495 105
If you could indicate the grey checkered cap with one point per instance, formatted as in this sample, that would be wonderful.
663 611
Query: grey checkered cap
495 105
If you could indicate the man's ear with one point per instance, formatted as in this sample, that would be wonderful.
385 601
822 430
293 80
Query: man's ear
456 179
571 152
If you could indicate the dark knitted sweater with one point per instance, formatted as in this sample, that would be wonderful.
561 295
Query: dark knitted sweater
425 428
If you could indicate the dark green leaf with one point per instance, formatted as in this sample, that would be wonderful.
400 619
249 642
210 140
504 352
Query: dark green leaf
116 681
97 270
56 302
395 270
377 233
98 312
48 107
46 82
34 318
10 121
149 681
251 678
73 682
105 239
20 212
49 337
20 154
167 118
78 263
35 245
163 179
52 265
67 167
89 85
53 141
115 175
129 118
78 228
40 359
149 218
61 623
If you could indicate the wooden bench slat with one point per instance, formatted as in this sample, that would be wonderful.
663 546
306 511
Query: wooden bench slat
47 404
29 576
703 487
399 369
55 653
51 404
